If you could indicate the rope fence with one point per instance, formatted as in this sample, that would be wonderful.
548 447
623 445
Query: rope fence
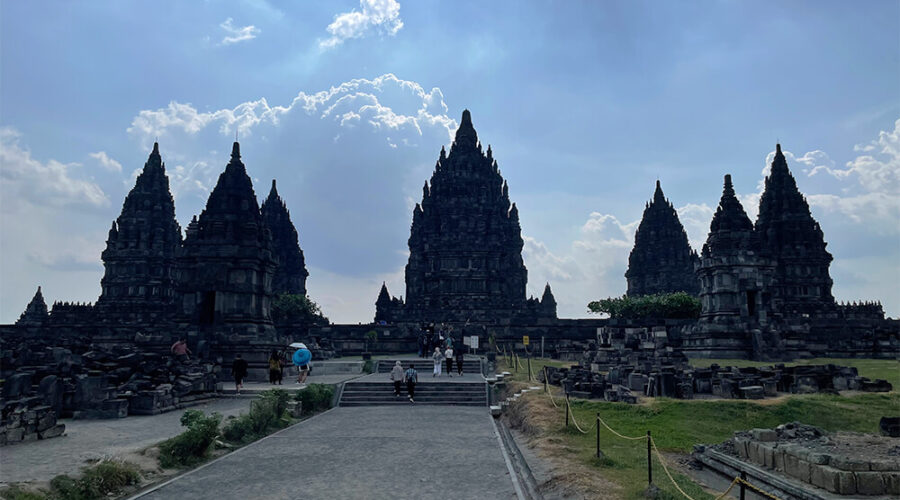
738 481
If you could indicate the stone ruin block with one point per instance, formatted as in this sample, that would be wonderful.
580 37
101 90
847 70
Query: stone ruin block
889 426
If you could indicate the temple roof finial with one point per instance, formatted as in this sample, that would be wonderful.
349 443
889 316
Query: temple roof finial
236 151
155 148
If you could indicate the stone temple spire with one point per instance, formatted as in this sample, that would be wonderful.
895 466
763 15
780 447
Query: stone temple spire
791 236
548 301
35 313
662 260
139 279
290 276
465 243
731 230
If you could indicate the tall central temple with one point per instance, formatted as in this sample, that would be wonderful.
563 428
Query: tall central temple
465 245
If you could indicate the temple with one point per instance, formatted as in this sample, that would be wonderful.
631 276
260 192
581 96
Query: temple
465 245
290 275
226 265
662 260
35 313
789 234
138 284
735 279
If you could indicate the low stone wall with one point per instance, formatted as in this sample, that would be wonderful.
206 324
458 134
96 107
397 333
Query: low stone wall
787 450
28 420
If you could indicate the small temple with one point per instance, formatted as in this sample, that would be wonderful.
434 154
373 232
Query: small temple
662 260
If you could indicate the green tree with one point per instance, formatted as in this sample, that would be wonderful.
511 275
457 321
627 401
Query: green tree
678 305
293 309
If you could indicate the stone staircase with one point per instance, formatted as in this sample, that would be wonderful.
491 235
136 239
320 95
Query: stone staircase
377 389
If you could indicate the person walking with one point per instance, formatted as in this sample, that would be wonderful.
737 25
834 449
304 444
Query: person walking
302 359
239 371
397 378
411 376
460 355
274 367
448 355
438 359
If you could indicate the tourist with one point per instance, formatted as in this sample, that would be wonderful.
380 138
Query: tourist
411 376
239 371
420 342
448 354
438 359
274 367
180 350
397 378
302 359
459 361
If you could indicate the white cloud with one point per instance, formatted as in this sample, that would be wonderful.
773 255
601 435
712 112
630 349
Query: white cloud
878 172
237 34
382 16
347 158
46 184
106 162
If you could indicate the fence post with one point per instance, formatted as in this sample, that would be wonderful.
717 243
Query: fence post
649 462
516 361
567 411
546 389
599 453
743 488
529 368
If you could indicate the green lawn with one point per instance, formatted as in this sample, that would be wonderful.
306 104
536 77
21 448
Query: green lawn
677 425
873 368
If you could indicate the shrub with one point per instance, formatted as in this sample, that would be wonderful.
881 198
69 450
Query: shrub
15 492
368 366
267 413
191 446
106 478
316 398
297 309
677 305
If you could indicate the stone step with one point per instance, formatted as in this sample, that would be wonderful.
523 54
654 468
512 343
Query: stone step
359 393
470 365
419 397
404 401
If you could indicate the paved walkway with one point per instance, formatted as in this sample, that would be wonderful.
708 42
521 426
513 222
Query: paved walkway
91 439
415 452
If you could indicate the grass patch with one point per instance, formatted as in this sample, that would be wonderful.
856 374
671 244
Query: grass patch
267 414
193 445
315 398
677 425
887 369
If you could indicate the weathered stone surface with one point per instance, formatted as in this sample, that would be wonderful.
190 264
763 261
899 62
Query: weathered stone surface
764 435
870 483
825 477
662 260
465 245
56 430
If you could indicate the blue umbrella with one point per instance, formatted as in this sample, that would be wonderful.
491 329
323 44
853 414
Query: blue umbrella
301 357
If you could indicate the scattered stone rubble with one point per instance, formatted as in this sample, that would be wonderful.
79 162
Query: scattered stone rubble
844 462
42 383
642 362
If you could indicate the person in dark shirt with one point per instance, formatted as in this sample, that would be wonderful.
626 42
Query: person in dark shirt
239 371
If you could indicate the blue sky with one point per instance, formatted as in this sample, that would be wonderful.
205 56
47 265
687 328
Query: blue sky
347 103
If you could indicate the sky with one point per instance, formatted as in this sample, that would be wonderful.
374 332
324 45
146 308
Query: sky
348 102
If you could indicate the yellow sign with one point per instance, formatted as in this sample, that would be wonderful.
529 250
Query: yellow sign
525 339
